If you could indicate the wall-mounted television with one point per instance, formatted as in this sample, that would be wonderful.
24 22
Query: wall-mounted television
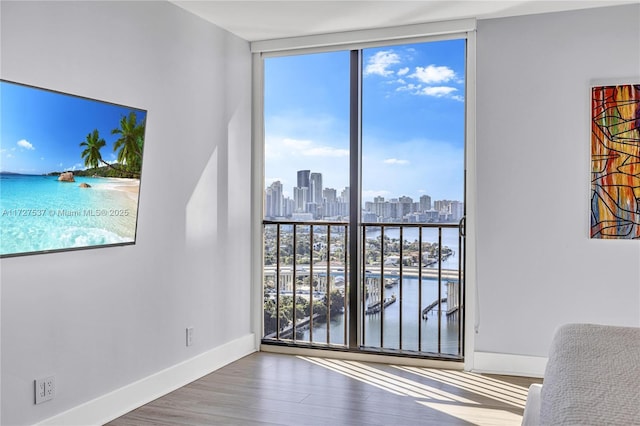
70 171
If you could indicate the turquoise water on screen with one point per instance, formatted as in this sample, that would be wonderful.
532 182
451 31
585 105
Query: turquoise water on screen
39 213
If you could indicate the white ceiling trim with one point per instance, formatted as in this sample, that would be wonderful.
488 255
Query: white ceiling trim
259 20
362 37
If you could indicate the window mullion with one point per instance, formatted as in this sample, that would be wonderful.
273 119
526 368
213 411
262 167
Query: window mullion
355 126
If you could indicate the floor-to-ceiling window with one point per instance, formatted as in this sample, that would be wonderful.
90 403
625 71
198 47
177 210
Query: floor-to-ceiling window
306 122
364 197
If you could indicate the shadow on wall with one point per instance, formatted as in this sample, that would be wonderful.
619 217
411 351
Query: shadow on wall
201 215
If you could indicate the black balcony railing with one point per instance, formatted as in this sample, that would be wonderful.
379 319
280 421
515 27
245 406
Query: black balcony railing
410 286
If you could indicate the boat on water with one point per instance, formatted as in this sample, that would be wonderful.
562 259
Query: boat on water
376 307
390 282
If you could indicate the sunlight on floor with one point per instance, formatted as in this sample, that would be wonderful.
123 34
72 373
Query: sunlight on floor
486 386
476 415
489 391
391 383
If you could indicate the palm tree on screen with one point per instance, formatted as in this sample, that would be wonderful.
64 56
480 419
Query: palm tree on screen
91 153
130 143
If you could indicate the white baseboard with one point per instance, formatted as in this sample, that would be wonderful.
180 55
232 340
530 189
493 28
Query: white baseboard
119 402
508 364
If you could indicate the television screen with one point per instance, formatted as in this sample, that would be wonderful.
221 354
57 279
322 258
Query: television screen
70 170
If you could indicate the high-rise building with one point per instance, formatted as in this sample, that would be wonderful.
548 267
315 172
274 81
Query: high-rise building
443 206
425 203
274 200
303 178
457 210
330 195
344 201
315 188
301 197
267 203
288 207
405 206
344 195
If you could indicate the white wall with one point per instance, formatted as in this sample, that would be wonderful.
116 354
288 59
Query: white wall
537 267
102 319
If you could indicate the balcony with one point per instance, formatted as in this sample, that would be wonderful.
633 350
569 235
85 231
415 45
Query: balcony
409 287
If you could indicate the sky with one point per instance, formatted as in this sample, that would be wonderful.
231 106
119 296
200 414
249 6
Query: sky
41 131
412 119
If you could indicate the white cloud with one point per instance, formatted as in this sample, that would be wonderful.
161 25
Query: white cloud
379 63
438 91
432 74
395 161
403 71
23 143
296 144
410 88
310 149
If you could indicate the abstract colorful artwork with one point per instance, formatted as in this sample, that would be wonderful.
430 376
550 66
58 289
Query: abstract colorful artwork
615 162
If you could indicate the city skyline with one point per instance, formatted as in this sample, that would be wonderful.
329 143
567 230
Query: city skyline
313 201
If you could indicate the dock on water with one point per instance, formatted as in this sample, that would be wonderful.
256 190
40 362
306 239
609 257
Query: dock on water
432 306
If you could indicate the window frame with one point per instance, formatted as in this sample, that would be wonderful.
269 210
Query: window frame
355 41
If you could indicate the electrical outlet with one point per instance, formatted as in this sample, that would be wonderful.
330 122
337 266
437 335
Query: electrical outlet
45 389
40 391
189 336
50 387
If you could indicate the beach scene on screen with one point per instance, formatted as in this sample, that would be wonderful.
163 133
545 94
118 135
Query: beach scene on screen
70 171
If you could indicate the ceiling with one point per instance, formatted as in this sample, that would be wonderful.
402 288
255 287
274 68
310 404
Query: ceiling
265 20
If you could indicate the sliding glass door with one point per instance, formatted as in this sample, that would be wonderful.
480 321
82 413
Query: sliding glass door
412 196
364 198
306 120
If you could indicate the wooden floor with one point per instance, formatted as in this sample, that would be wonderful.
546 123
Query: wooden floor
266 388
